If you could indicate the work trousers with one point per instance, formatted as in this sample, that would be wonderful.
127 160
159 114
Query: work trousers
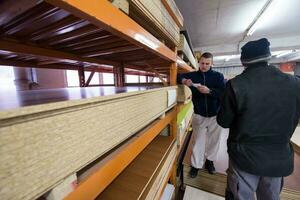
243 186
205 139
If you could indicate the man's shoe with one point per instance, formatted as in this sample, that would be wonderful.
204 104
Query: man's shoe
209 165
193 172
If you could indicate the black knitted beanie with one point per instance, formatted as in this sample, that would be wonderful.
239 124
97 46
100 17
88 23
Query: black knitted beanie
256 51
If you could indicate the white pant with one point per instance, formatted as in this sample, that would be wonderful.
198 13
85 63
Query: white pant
205 147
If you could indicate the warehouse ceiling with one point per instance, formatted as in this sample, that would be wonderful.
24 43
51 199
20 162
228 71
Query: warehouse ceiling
220 26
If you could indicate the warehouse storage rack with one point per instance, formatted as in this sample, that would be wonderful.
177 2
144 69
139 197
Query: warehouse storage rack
89 35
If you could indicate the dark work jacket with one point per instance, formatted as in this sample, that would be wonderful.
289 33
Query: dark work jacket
262 109
206 105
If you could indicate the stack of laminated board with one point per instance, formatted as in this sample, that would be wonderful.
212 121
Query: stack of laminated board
186 53
121 4
184 94
154 17
144 178
217 183
175 10
43 144
184 120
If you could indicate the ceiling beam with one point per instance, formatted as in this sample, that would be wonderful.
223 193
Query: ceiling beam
75 34
16 47
88 40
13 9
15 63
56 28
112 51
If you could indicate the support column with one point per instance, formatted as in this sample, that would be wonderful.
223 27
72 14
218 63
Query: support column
81 77
173 131
119 75
101 79
22 78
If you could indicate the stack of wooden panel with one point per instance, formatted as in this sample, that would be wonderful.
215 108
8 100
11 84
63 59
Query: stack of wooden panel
145 176
42 144
185 51
184 94
184 118
154 17
175 10
121 4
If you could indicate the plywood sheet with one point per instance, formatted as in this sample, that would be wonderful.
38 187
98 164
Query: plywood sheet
153 12
187 51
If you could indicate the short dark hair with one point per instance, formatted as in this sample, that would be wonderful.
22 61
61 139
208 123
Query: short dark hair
206 55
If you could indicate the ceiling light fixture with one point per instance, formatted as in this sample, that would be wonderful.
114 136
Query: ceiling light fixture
228 58
284 53
256 22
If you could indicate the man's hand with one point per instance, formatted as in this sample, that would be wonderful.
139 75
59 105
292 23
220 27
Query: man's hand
187 82
203 89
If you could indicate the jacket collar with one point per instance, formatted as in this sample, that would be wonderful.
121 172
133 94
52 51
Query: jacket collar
256 65
208 72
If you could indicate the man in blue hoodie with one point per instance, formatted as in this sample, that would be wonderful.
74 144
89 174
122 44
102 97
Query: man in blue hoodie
207 86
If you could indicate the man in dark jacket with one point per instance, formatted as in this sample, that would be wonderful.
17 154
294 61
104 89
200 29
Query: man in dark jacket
206 86
261 107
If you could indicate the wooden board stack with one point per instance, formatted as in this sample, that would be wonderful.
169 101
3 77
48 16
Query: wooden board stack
153 16
186 52
121 4
175 10
184 118
43 144
184 94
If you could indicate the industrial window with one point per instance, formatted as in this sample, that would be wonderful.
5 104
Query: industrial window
95 80
132 78
7 77
72 78
108 78
143 79
156 80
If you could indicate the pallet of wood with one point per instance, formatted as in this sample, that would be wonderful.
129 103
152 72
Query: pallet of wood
154 17
43 143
